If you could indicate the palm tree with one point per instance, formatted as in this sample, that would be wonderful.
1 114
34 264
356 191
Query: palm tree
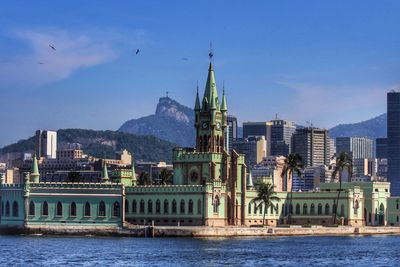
293 164
144 179
265 195
165 177
343 162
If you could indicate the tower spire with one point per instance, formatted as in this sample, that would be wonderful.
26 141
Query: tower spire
197 102
223 103
210 91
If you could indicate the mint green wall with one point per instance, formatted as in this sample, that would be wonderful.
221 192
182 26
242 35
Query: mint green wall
12 193
165 193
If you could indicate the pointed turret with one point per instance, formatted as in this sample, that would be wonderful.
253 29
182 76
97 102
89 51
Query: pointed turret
197 103
104 174
35 170
210 92
213 104
249 181
134 181
223 103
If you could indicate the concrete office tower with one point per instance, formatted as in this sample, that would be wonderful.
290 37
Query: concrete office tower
312 144
281 136
258 129
46 144
381 148
231 133
357 147
393 141
253 147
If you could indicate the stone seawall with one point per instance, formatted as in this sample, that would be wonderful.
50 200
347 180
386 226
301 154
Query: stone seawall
203 231
271 231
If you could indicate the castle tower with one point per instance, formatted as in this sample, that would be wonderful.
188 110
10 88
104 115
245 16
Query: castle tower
210 118
35 171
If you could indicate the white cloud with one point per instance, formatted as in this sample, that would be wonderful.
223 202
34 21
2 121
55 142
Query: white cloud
341 104
74 51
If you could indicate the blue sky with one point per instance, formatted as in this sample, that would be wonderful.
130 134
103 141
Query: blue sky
327 62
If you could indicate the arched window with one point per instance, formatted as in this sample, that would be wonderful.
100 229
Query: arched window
31 208
342 210
216 204
334 208
261 208
15 209
158 206
126 206
272 209
297 209
134 206
190 209
149 206
59 211
290 209
116 209
312 209
199 206
141 206
397 204
182 207
319 209
326 209
166 207
73 209
277 208
305 209
255 208
102 209
45 209
87 209
7 208
249 209
174 206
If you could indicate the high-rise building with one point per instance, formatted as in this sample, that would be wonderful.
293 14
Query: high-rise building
231 133
46 144
253 147
393 141
256 129
357 147
281 135
381 148
312 144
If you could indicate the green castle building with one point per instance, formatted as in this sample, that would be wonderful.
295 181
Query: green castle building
210 188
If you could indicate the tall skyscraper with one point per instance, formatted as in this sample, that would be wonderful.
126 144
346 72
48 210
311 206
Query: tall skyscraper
312 144
357 147
281 136
231 132
259 129
253 147
393 141
46 144
381 148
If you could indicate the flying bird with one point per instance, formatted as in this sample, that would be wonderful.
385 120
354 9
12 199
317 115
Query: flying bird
52 47
40 63
137 51
185 58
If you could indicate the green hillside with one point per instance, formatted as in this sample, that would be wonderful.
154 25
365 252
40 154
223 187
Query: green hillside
100 143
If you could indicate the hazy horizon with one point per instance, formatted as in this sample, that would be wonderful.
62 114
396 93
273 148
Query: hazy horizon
327 63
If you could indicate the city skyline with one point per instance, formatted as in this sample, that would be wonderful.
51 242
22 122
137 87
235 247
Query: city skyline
292 60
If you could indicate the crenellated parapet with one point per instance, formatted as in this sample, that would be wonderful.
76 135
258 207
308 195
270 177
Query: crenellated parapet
165 189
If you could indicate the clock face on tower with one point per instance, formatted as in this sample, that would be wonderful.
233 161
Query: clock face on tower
204 125
218 126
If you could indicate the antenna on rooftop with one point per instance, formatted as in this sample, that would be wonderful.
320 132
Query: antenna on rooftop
167 93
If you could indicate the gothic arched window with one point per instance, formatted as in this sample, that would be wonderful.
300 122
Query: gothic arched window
87 209
166 207
116 209
45 209
31 208
59 211
73 209
102 209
